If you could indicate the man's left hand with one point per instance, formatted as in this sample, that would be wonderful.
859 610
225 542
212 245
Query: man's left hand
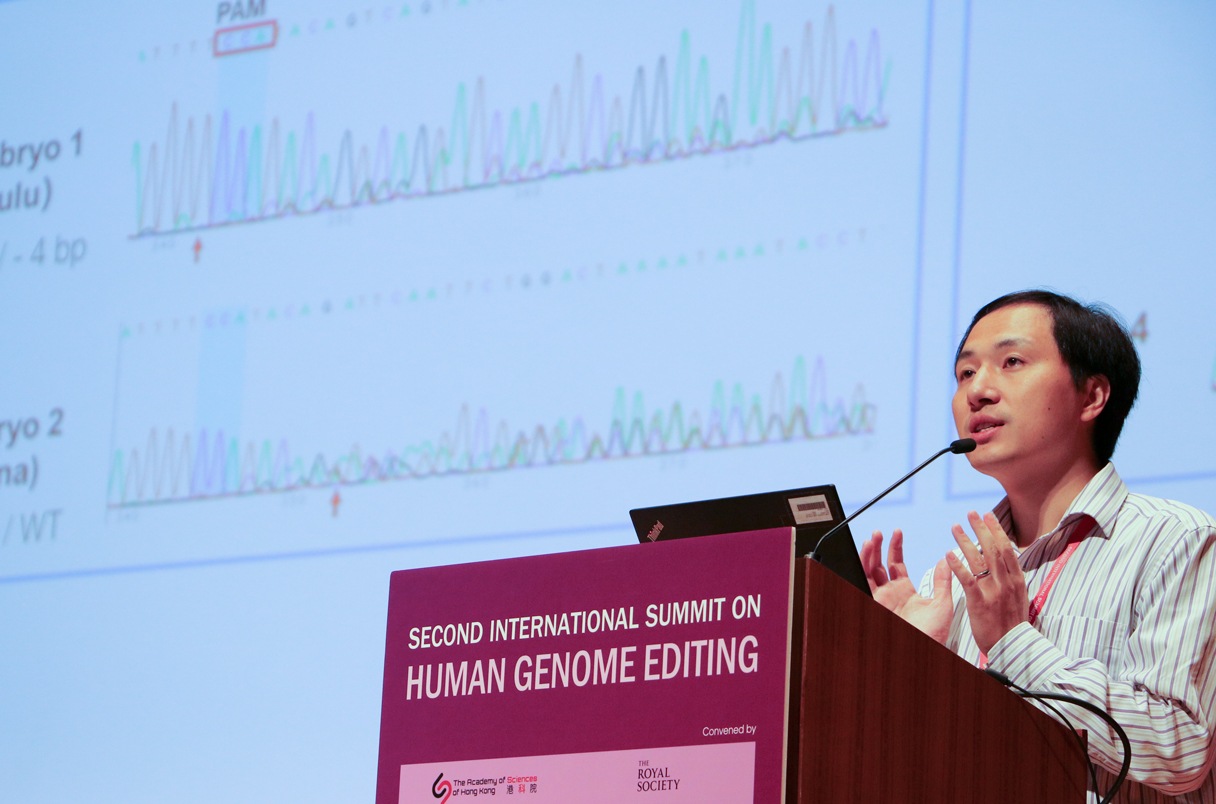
991 578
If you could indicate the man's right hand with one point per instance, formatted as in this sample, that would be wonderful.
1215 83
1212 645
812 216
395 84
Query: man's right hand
892 587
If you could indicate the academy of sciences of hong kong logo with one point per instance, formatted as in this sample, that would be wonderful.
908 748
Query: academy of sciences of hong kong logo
441 790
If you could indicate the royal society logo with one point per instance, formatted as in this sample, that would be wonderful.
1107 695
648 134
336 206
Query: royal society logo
655 779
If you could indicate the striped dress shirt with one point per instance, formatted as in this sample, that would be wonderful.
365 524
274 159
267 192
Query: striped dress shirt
1128 626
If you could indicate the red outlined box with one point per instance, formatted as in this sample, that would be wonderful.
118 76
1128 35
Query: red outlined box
244 38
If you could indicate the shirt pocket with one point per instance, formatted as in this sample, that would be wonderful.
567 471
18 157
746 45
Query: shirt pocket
1086 638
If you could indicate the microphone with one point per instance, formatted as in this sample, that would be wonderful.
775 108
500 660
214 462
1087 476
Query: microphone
957 447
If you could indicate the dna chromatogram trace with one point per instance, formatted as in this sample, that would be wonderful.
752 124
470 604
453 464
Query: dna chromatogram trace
204 175
176 467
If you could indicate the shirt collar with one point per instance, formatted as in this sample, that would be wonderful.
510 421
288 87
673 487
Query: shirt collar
1101 499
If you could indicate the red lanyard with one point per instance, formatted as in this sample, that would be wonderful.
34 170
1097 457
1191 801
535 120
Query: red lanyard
1082 530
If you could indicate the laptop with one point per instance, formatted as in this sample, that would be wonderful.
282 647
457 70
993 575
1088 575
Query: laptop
811 511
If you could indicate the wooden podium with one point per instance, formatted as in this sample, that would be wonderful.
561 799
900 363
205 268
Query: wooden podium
578 673
882 713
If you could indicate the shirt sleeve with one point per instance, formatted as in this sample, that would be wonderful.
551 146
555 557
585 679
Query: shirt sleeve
1164 692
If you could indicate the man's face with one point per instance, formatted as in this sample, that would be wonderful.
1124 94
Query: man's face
1015 395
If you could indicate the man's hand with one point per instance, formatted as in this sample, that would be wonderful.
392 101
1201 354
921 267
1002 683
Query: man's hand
992 579
892 587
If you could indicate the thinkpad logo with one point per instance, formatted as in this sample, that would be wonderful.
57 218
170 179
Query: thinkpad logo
655 531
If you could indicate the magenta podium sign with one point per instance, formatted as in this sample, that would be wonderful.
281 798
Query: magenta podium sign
596 676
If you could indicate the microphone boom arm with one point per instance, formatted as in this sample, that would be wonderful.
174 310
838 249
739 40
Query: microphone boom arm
958 447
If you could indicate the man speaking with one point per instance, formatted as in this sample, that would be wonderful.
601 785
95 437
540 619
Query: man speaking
1076 585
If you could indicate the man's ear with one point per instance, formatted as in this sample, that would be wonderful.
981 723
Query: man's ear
1095 395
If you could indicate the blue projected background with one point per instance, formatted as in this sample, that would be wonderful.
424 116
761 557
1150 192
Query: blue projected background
295 294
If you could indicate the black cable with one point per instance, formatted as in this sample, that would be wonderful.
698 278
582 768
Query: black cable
1089 763
1097 710
1093 773
1114 724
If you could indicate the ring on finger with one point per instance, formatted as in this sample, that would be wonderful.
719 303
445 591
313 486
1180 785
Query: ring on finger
983 574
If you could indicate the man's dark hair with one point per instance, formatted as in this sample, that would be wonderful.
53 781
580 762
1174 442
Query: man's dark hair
1093 341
